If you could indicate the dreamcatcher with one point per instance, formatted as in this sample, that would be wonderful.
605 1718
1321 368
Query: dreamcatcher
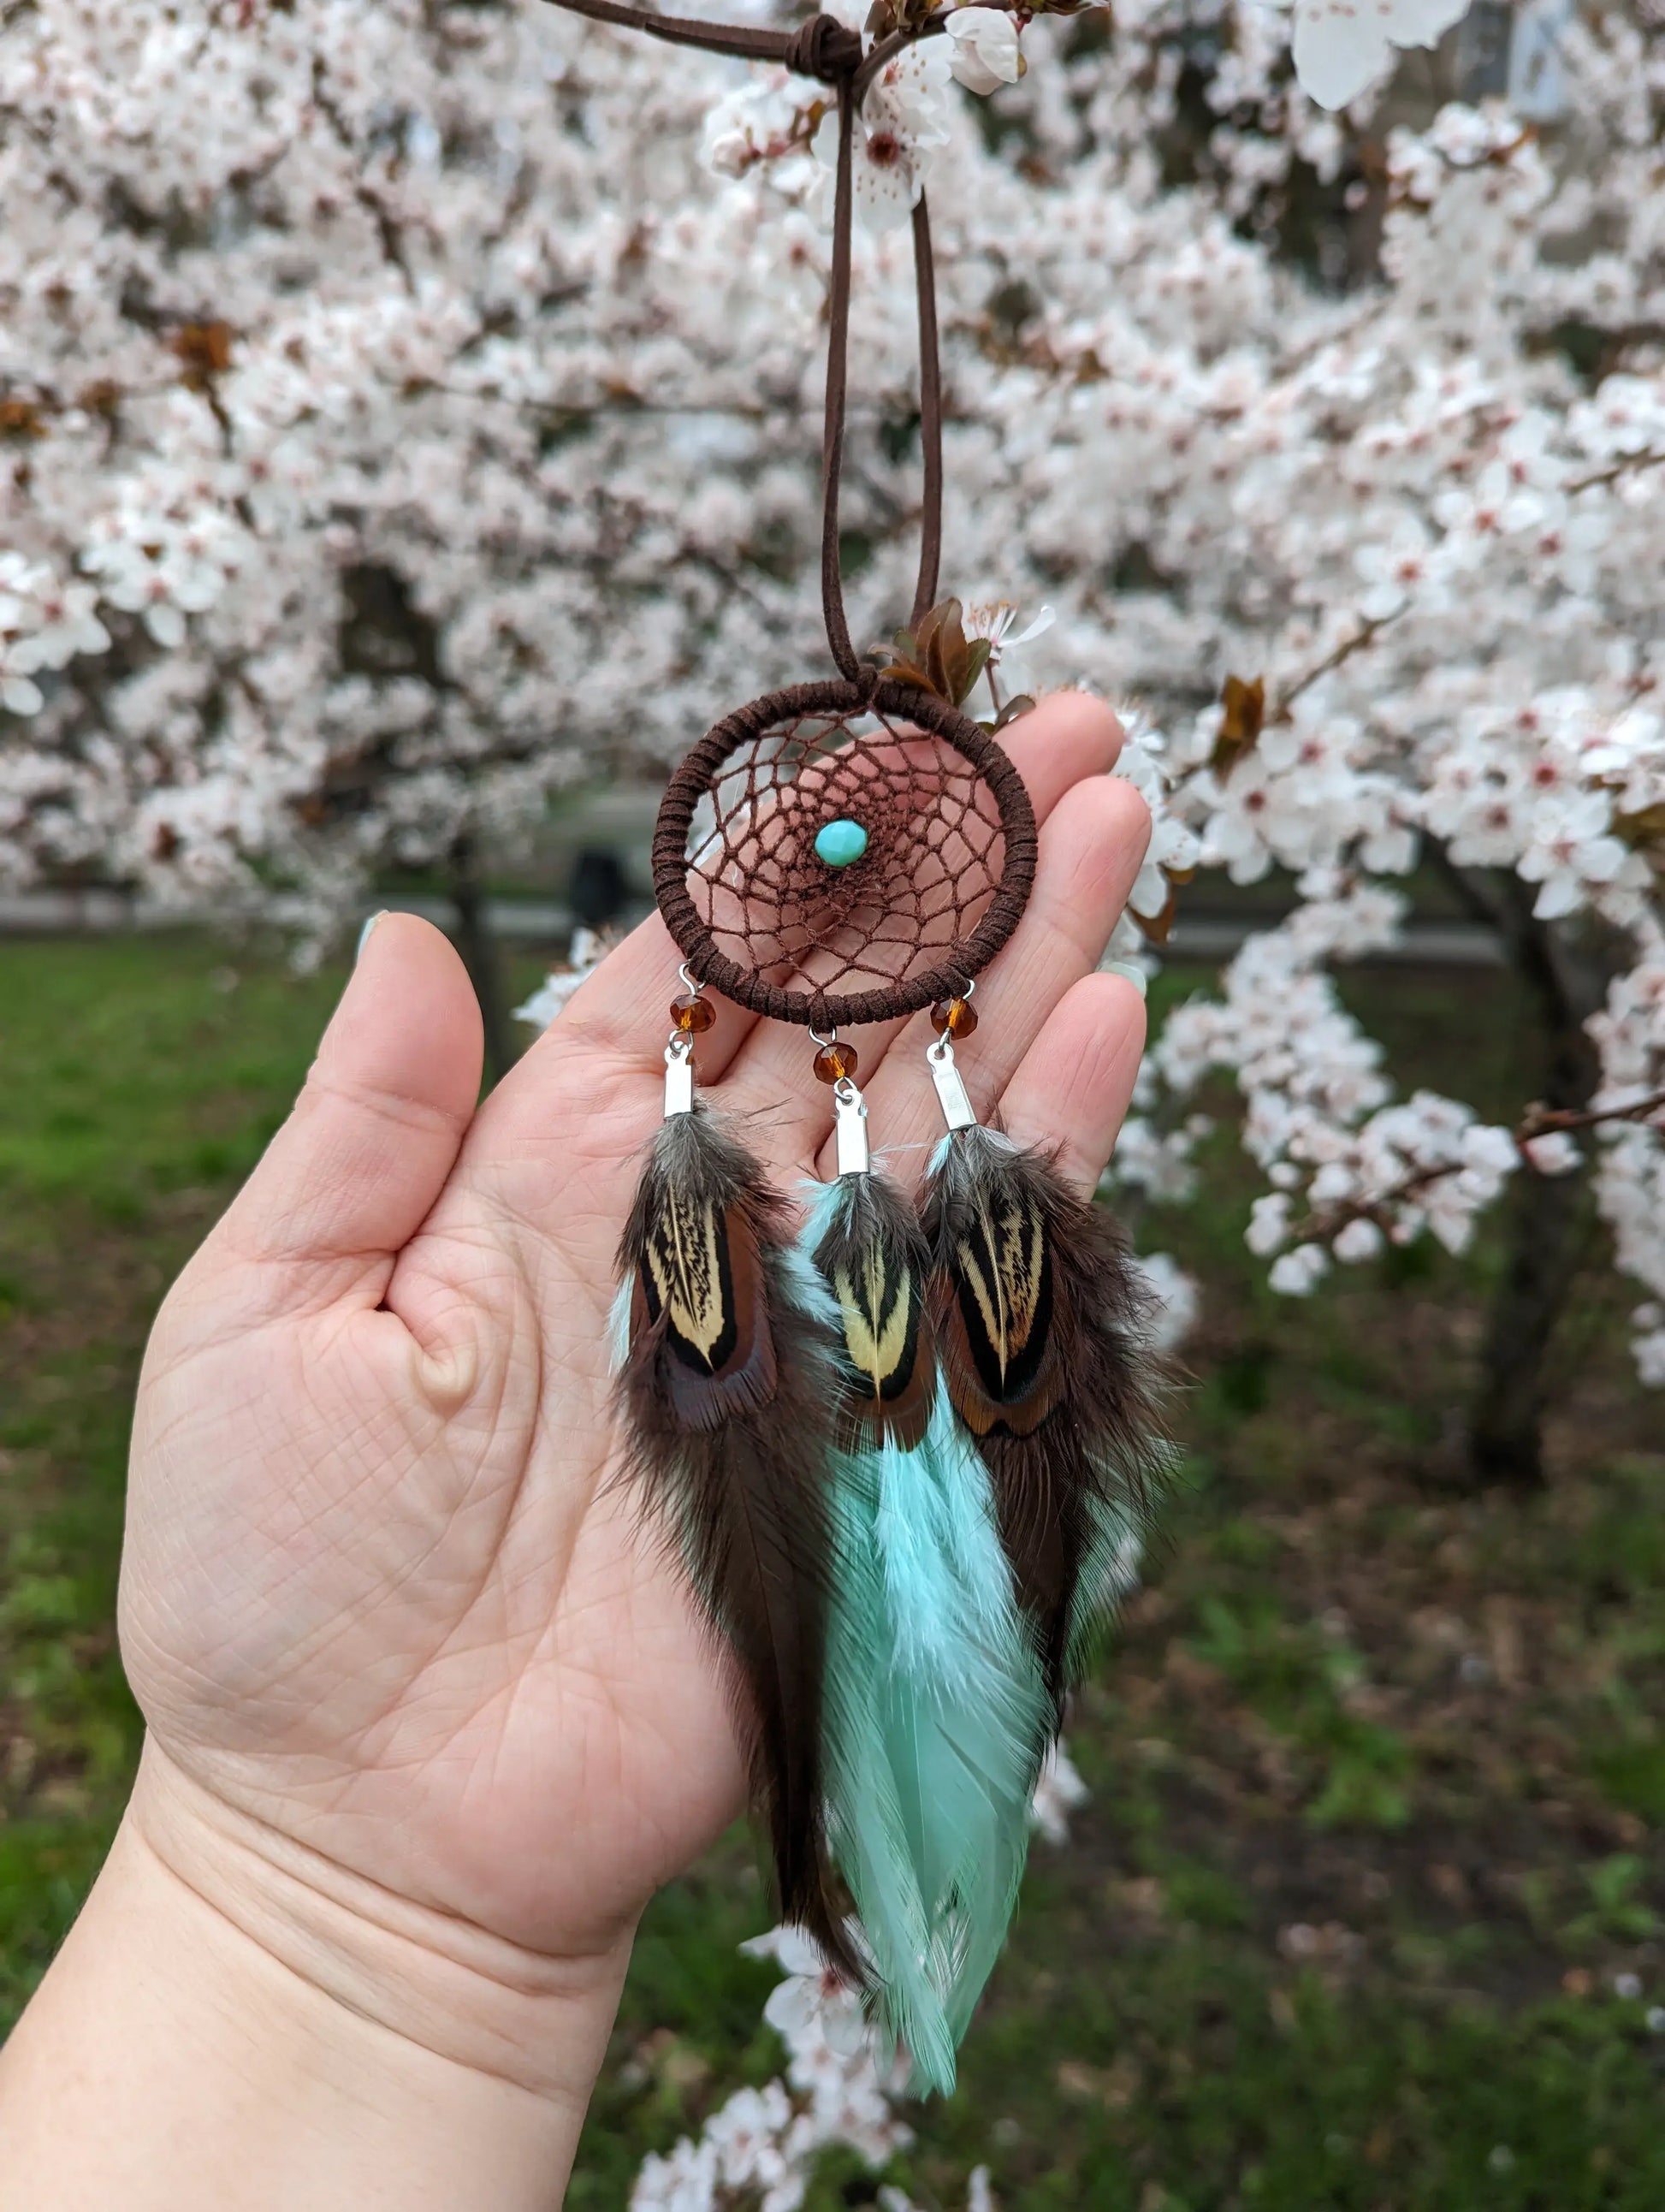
898 1447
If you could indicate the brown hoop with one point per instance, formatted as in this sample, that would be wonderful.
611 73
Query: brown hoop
824 1009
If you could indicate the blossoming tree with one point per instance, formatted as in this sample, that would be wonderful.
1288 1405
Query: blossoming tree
400 420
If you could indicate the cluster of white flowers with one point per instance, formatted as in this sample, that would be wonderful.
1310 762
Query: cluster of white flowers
588 951
1318 1118
44 624
400 420
759 2149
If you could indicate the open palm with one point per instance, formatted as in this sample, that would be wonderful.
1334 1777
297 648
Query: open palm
380 1604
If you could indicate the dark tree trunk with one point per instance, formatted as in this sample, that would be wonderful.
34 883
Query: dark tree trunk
479 950
1545 1216
1543 1225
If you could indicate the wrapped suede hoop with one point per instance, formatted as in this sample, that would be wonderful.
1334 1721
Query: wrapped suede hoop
917 711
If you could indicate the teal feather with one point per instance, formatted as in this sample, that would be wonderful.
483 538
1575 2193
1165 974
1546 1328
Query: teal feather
937 1714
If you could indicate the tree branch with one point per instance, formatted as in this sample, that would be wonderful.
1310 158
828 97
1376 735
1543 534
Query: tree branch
1632 464
828 58
1538 1121
1366 635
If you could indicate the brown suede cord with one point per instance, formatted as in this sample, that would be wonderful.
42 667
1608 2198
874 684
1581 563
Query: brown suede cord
825 49
930 413
832 436
930 408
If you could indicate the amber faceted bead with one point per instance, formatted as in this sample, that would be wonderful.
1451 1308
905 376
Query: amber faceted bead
953 1018
692 1015
835 1063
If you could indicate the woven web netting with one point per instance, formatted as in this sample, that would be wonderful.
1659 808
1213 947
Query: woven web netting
932 864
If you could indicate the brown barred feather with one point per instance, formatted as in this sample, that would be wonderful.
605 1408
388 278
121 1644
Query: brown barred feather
997 1327
877 1264
725 1391
1041 1323
699 1268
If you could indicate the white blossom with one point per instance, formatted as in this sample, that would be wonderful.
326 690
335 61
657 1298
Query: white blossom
983 48
587 952
747 2134
813 2000
1058 1793
1340 46
1360 1240
761 119
1298 1272
901 125
683 2181
1177 1297
1554 1154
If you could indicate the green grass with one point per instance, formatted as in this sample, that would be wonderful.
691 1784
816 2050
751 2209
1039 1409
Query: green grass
1378 1766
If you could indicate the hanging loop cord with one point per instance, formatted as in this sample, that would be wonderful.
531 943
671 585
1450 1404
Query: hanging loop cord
832 437
832 443
930 414
850 90
827 50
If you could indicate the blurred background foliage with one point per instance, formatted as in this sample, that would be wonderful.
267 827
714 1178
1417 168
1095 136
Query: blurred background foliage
1366 1908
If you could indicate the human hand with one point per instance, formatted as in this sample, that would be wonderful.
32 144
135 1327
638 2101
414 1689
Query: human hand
429 1715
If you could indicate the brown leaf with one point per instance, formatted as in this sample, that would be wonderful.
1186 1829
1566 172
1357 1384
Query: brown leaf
1646 827
203 350
1242 721
20 418
943 651
936 654
979 649
1156 928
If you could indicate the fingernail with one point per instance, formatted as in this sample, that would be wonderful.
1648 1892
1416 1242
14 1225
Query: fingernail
364 936
1130 972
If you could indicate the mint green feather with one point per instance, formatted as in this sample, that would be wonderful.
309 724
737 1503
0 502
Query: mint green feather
937 1720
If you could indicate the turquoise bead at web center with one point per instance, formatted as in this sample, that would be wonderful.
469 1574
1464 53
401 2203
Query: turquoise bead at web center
838 843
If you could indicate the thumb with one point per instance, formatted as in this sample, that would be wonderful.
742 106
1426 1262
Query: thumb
352 1174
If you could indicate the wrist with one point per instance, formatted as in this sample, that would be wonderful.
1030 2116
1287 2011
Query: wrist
233 2019
535 2022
